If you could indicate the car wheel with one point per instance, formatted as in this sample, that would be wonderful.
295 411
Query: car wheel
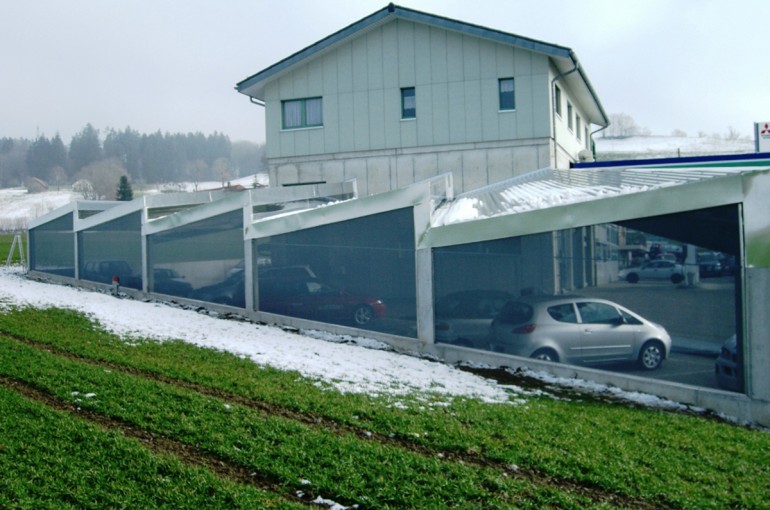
632 278
677 278
545 355
362 315
651 355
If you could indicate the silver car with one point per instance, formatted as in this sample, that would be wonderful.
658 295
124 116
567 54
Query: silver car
464 318
655 270
578 330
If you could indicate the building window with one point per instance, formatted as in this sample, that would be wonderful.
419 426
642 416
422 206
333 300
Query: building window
569 115
301 113
588 141
578 126
408 103
557 100
507 97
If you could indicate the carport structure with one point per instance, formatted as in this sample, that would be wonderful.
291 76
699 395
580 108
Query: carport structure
568 231
317 256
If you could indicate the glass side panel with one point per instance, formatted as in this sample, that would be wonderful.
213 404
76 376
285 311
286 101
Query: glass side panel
52 247
359 273
202 260
620 296
112 249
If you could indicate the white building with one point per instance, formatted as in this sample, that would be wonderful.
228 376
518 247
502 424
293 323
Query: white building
401 96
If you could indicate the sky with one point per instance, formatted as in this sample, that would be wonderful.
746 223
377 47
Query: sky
172 65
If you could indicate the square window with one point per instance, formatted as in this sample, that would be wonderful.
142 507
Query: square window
507 96
408 103
300 113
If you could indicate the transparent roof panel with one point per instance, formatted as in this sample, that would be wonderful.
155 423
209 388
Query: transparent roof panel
549 187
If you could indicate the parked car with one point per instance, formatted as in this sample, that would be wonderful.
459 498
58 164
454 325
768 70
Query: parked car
727 366
286 272
311 298
231 291
654 270
580 330
168 281
103 271
464 318
709 264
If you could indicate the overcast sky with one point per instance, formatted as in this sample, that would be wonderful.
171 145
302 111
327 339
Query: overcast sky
171 65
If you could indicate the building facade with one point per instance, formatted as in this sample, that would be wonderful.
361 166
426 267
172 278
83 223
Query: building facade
402 96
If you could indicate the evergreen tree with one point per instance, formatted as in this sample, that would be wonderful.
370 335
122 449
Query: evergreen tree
85 149
124 192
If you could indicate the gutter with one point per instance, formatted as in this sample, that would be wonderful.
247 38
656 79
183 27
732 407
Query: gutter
553 108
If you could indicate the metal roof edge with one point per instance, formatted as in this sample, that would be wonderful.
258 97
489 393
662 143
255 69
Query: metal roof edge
392 10
314 48
750 157
409 196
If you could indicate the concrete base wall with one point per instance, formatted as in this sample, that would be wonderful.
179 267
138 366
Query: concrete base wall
472 165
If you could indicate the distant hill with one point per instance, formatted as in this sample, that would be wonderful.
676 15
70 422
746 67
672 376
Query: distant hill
644 147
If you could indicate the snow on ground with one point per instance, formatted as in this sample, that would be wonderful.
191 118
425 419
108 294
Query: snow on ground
350 368
18 207
355 365
671 146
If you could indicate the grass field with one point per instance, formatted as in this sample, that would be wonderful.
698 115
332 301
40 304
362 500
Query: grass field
88 420
6 242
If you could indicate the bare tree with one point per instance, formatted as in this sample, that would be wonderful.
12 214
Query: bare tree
196 171
222 169
85 188
103 175
732 134
622 125
57 176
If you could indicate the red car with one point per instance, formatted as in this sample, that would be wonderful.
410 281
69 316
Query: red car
313 299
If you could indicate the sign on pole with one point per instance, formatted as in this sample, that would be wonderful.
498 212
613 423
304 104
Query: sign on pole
762 136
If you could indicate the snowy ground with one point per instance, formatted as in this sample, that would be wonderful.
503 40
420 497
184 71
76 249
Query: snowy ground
348 364
637 147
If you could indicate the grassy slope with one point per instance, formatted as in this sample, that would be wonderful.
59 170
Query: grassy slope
362 450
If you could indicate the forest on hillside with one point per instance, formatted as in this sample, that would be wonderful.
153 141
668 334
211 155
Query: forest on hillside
98 161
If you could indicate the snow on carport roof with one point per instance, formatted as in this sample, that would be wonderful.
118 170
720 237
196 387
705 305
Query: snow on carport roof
548 187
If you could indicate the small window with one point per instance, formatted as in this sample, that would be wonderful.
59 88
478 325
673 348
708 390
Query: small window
588 141
598 313
557 100
301 113
578 126
569 115
507 96
563 313
408 103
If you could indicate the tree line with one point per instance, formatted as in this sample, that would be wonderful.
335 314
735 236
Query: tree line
91 159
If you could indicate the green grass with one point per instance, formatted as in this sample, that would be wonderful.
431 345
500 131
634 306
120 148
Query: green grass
362 450
6 241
